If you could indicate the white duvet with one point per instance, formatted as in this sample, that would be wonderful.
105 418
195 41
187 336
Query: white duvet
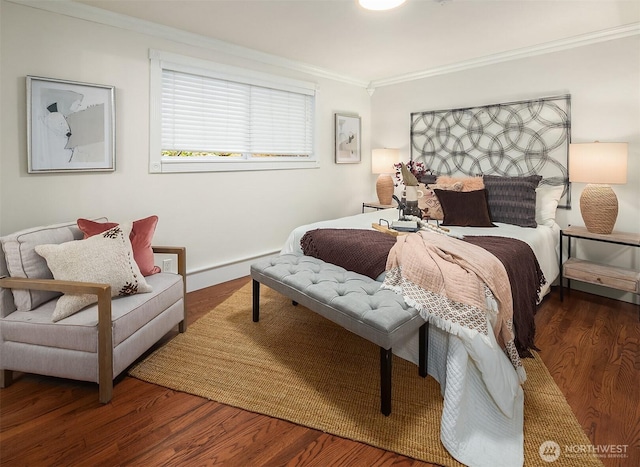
482 417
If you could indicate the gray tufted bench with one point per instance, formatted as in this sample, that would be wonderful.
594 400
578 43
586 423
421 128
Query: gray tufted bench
351 300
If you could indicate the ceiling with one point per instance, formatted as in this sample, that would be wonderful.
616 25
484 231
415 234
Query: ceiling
340 36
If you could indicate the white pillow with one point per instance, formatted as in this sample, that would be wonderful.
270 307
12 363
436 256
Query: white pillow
106 258
547 198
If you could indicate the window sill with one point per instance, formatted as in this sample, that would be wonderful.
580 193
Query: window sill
181 166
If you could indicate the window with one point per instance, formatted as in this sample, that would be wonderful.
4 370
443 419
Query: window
211 117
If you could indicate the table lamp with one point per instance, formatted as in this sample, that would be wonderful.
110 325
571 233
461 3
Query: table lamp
382 161
598 165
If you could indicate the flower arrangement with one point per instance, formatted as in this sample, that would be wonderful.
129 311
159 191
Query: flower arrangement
418 169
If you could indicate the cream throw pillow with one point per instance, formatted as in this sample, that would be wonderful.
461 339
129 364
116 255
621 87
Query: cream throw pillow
431 207
547 198
106 258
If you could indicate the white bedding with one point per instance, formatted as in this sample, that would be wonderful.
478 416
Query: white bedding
543 240
482 419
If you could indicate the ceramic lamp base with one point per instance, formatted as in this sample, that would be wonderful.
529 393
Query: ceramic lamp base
384 188
599 208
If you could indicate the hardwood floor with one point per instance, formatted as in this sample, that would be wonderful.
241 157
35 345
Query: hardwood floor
590 345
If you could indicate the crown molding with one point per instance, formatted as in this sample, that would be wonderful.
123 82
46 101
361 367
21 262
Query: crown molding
516 54
97 15
117 20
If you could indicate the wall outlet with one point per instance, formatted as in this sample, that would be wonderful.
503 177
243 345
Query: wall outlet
167 265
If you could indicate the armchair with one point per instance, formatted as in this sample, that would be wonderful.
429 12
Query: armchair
95 344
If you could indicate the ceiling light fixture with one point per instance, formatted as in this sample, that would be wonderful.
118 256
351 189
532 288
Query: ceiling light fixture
379 5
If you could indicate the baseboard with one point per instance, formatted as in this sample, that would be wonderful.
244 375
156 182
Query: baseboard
605 292
223 272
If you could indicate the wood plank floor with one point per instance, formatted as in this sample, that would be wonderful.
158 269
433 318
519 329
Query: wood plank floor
590 345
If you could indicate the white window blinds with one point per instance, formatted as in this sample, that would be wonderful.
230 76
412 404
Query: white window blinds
207 114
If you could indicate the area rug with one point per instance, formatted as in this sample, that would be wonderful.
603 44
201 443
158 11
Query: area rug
297 366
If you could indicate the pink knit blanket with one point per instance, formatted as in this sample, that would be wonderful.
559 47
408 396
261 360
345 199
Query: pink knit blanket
448 281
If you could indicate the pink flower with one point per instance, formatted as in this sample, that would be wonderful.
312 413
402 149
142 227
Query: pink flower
417 168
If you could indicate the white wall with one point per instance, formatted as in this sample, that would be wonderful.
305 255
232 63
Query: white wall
222 218
604 82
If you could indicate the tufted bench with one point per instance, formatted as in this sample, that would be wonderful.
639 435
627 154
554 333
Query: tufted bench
351 300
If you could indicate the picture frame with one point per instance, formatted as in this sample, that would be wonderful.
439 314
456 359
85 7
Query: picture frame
70 126
347 138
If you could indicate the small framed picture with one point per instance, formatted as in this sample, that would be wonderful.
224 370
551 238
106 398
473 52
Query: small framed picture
347 138
70 126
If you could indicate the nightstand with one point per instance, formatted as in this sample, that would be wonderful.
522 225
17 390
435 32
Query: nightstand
376 206
627 280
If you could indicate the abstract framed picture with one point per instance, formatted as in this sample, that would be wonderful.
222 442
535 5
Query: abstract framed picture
347 139
70 126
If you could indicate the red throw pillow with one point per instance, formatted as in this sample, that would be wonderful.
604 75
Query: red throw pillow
141 235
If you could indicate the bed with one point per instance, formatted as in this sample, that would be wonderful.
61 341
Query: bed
482 420
521 150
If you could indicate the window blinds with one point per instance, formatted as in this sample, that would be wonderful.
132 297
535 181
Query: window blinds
202 113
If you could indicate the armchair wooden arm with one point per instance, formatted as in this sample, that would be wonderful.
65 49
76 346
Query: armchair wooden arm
105 342
181 254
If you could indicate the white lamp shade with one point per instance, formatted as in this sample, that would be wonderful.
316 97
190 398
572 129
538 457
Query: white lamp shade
382 160
599 163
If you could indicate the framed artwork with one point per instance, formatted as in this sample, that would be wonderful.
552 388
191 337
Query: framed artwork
347 139
70 126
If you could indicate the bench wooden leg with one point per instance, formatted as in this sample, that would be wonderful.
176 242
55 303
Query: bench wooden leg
423 342
256 301
385 380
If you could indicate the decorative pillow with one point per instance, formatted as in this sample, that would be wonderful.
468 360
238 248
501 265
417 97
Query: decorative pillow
465 208
106 258
547 199
427 178
141 236
23 261
468 183
512 200
429 202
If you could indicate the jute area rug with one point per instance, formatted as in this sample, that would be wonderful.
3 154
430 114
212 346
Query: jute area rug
298 366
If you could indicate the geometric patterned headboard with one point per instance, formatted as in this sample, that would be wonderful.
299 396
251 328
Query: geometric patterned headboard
516 138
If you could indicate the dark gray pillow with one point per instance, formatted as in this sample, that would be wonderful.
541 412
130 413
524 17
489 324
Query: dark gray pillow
512 200
428 179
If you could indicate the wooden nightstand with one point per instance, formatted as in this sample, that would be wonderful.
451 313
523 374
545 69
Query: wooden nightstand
377 206
624 279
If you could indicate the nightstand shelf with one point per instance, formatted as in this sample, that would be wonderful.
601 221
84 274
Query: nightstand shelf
377 206
627 280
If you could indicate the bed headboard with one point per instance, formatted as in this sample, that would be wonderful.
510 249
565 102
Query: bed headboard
510 139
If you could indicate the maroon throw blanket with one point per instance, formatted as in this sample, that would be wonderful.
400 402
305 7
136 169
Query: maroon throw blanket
366 251
525 278
359 250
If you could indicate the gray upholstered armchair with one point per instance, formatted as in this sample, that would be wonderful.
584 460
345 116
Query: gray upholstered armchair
94 344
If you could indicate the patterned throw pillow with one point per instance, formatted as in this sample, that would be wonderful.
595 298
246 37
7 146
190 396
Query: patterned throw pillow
512 200
141 238
429 202
23 261
106 258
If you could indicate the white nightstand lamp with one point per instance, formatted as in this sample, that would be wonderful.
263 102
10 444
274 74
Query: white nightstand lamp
382 161
598 165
